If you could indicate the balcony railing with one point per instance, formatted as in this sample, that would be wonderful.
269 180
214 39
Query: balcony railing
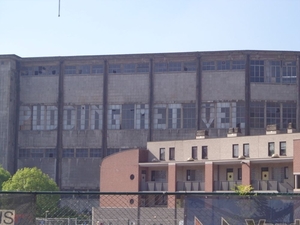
226 185
154 186
271 185
190 186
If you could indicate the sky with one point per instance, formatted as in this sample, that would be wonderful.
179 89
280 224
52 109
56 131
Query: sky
32 28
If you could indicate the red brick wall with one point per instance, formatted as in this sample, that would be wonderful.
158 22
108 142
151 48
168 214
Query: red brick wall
209 178
296 162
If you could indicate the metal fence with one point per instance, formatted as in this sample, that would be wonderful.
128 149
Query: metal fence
145 208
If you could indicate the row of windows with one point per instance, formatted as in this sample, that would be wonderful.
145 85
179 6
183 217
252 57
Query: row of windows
273 72
271 149
67 153
194 153
224 65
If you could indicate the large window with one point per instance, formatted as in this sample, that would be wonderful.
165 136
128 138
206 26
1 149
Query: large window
189 115
257 114
210 65
288 114
282 148
223 65
82 152
37 153
289 73
257 71
68 153
95 152
271 148
238 65
127 116
273 113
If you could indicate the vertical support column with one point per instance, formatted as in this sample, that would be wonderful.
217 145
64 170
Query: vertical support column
247 96
172 184
199 92
151 100
104 118
60 109
298 93
209 176
246 172
17 104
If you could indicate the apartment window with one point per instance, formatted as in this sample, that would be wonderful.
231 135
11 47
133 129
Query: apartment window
37 153
129 68
160 67
195 152
84 69
174 66
68 153
158 175
95 152
171 153
190 175
223 65
282 148
235 151
50 153
239 173
204 152
162 154
189 66
238 65
208 65
70 70
96 69
24 153
82 153
246 150
114 68
257 71
271 148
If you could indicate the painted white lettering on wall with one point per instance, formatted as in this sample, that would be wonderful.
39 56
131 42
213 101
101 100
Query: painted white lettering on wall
7 217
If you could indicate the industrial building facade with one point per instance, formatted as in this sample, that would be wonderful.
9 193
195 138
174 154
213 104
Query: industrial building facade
64 114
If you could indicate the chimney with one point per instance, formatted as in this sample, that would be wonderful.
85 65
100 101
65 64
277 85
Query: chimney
233 132
201 134
272 129
290 128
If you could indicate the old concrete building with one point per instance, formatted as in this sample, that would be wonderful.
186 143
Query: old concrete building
64 114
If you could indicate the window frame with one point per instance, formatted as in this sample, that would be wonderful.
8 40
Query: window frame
271 151
235 150
172 153
162 154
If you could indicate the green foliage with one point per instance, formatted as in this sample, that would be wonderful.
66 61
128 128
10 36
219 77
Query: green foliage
4 176
33 179
243 189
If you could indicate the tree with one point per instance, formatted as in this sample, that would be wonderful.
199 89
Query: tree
33 179
4 176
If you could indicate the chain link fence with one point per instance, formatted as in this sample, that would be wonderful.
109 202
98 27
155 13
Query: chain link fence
141 208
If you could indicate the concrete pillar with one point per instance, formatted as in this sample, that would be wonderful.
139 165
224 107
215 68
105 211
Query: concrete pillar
209 176
171 184
246 172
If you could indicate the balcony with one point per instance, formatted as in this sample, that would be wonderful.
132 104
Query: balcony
154 186
190 186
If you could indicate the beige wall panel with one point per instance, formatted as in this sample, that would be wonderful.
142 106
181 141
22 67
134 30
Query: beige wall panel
177 87
35 90
128 88
223 85
273 92
83 89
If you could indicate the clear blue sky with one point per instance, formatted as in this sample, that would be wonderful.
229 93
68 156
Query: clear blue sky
32 28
